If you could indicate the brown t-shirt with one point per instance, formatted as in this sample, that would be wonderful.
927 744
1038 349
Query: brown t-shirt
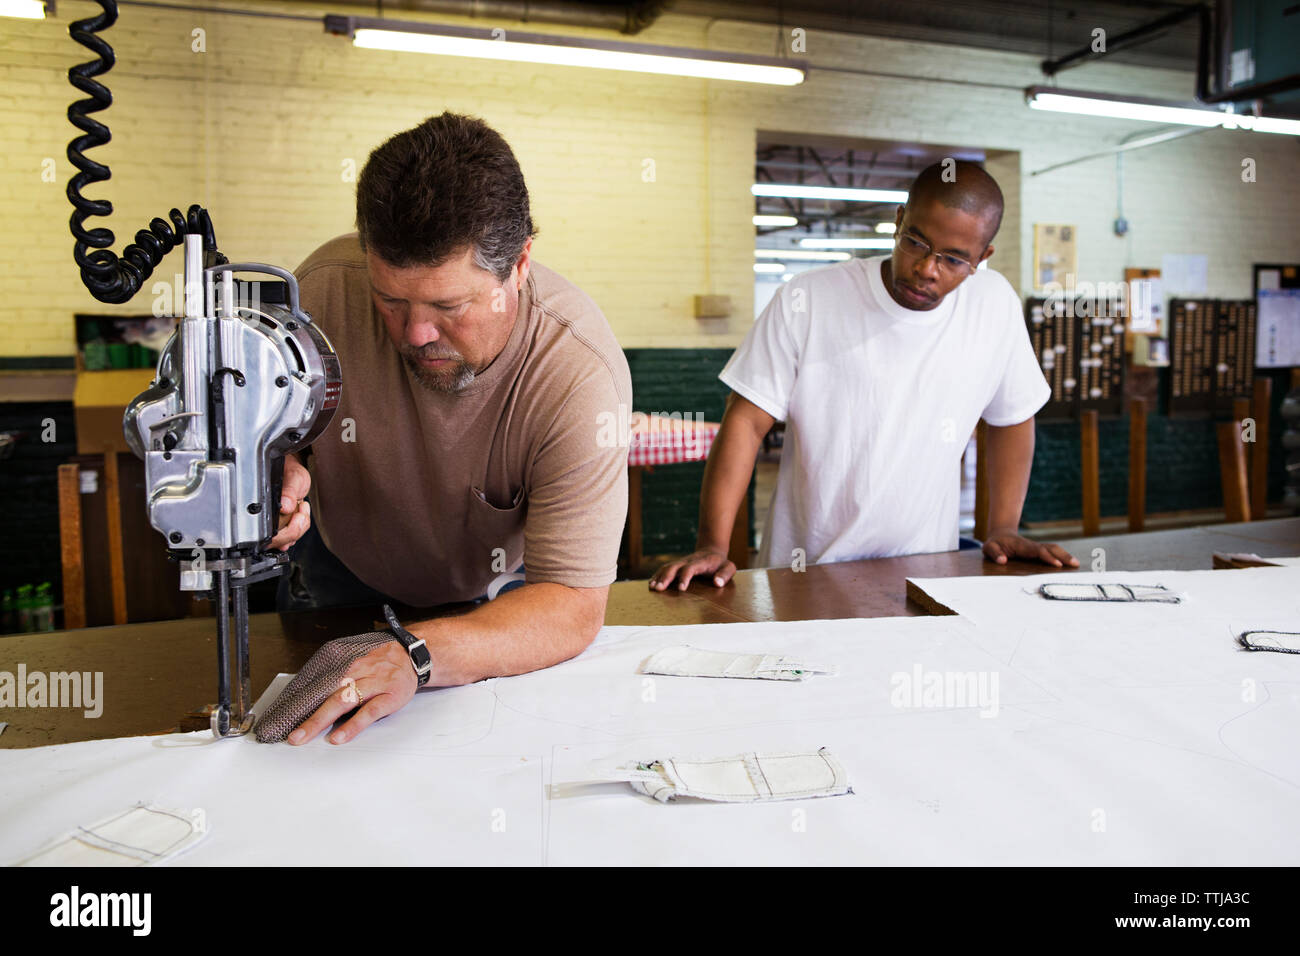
415 490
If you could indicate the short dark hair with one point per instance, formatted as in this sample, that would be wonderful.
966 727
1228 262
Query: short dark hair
961 184
450 183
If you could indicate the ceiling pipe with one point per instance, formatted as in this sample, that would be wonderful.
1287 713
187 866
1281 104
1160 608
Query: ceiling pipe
900 172
1127 144
628 18
1204 57
1129 38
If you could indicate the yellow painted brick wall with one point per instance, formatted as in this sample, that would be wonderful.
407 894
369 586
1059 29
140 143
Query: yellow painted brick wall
261 128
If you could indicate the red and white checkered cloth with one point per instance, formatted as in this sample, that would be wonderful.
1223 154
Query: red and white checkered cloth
658 440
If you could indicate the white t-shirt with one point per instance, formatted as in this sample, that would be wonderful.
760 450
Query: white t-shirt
879 402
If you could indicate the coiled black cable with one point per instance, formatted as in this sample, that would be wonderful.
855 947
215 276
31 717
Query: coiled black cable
108 277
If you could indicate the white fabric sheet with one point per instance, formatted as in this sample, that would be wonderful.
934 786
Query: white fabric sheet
1057 745
686 661
267 805
999 600
135 836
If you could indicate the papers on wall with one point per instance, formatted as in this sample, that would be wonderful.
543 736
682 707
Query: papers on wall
1146 306
1185 275
1055 255
1277 335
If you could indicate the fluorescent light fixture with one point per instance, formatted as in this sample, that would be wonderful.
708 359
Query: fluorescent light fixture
23 9
847 243
775 221
886 227
1151 111
795 191
774 268
405 36
800 254
1263 124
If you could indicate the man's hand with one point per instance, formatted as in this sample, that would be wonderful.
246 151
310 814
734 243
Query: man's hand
699 564
382 681
726 481
1004 545
295 511
1010 450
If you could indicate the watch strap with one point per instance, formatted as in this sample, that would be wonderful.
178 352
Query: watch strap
421 659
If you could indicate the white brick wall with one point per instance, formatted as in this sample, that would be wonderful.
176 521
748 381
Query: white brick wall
257 128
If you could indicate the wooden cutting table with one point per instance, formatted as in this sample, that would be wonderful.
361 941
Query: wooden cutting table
155 674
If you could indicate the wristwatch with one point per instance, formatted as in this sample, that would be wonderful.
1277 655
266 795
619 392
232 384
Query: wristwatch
420 657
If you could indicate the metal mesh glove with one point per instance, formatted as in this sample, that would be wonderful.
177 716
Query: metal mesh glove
311 686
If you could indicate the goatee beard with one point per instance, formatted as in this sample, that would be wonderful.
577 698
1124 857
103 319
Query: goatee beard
450 379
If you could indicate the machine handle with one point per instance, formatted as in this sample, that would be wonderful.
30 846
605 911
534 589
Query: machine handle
290 279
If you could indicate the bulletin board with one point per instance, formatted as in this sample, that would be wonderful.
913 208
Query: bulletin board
1055 254
1276 275
1277 298
1146 303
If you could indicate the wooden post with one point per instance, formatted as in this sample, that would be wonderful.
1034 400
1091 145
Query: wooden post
1089 446
1259 406
70 546
116 561
634 556
1232 470
981 481
1137 464
1240 412
1240 408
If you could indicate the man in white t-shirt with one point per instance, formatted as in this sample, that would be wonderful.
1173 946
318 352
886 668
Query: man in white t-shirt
881 369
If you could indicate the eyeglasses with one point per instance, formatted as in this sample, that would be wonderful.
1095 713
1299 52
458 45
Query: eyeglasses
911 246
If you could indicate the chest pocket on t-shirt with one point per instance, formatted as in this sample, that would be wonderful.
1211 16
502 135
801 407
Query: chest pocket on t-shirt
491 527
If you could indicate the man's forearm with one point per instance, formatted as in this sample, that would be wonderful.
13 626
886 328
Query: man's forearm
726 480
523 630
1010 451
727 473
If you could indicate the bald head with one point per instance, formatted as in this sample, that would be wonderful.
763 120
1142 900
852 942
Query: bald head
963 185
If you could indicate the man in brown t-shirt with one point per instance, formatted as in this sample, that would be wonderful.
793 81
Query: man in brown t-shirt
474 430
